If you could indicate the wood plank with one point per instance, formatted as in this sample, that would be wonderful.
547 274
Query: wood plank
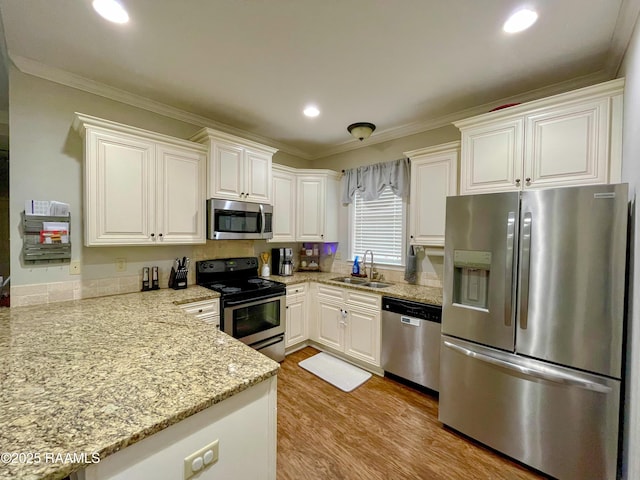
381 430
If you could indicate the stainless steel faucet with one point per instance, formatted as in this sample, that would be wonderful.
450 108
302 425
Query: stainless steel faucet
364 264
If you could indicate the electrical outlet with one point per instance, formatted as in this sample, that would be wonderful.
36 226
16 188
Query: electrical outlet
74 267
200 460
121 264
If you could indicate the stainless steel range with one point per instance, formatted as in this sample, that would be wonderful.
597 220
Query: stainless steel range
253 309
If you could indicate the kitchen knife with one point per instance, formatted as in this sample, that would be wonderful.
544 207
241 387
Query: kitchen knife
184 262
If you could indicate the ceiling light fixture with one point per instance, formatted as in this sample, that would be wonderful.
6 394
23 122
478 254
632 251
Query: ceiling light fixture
111 10
361 130
519 21
311 111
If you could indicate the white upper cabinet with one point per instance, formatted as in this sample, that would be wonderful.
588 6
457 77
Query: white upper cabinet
284 204
434 176
569 139
238 169
141 188
317 204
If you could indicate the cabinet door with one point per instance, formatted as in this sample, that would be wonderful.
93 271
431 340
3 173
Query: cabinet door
330 325
362 339
296 330
433 178
311 208
181 197
119 189
226 172
568 145
284 207
257 174
492 157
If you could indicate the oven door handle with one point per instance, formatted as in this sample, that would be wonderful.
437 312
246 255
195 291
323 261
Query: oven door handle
252 300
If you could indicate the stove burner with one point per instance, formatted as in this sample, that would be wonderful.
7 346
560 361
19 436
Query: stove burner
231 289
258 281
218 285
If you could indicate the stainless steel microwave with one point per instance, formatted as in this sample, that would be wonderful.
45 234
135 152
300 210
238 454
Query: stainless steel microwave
233 220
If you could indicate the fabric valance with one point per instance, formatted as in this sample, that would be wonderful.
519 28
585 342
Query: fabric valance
371 180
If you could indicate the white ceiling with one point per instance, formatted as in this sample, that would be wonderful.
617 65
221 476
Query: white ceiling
252 65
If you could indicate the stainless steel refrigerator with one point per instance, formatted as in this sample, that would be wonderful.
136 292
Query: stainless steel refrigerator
532 325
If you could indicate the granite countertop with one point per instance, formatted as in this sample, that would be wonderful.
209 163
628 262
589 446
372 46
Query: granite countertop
417 293
100 374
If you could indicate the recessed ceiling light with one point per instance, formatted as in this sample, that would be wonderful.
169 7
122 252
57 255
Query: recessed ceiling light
519 21
111 10
311 111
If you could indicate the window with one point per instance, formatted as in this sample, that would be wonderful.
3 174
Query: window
378 225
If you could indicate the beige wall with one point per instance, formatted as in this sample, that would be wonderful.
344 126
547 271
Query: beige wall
386 151
46 164
631 174
283 158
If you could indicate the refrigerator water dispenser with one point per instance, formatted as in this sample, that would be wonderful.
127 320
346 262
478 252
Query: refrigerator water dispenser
471 278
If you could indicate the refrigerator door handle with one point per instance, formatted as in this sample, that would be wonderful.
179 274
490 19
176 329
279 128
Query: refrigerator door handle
523 291
508 303
547 374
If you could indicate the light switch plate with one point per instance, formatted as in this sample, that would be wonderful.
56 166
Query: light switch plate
188 461
121 264
74 267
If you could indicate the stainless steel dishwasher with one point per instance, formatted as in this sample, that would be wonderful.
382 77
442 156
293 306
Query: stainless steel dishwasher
411 341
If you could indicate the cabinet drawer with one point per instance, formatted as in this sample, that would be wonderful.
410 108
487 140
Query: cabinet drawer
331 293
298 289
209 318
371 300
209 307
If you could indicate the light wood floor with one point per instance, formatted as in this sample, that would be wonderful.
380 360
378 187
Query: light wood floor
381 430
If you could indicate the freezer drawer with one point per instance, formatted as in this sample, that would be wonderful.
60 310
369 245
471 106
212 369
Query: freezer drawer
557 420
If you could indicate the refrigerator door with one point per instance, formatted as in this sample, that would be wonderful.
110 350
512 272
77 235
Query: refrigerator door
559 421
572 277
479 263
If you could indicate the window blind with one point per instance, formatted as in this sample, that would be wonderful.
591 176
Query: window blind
379 225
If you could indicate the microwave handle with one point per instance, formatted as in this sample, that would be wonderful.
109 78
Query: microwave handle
261 220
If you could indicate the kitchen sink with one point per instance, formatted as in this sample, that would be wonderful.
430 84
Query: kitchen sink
361 281
351 280
377 284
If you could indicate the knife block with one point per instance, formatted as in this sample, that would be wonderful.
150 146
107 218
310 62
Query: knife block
178 278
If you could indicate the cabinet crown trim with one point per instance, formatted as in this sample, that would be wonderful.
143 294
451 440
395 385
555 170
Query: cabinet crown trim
442 148
206 134
606 89
82 121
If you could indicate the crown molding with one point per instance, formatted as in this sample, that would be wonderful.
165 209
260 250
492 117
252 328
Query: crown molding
423 126
622 33
37 69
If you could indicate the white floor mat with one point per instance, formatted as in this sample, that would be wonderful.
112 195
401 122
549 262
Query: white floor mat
335 371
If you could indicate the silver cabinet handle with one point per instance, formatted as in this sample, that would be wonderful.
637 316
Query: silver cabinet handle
525 261
547 374
511 226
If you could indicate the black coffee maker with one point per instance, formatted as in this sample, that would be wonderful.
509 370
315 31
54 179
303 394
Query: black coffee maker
282 261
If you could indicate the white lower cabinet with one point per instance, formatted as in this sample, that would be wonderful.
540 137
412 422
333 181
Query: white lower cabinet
297 327
206 310
349 321
244 425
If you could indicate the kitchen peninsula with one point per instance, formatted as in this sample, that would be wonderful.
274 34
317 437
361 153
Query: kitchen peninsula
95 376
